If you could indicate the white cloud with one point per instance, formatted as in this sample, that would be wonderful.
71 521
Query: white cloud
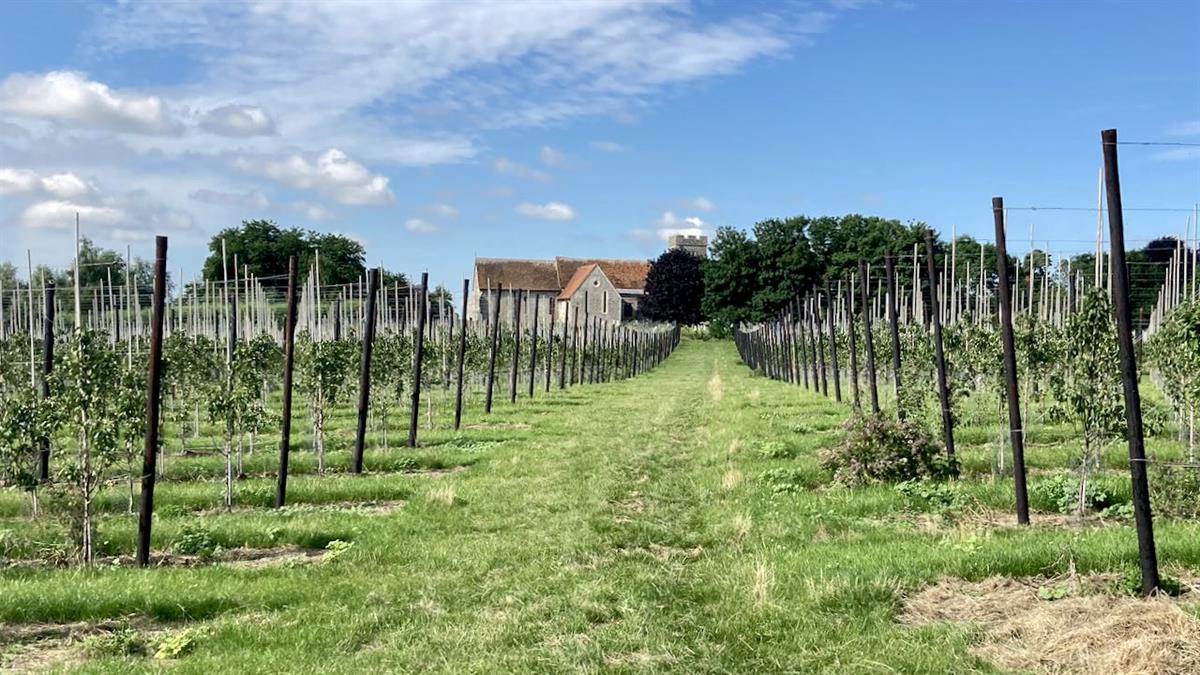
669 223
327 64
61 185
420 226
552 157
508 167
701 204
442 210
69 97
238 121
60 215
553 211
332 174
254 199
314 212
122 217
608 146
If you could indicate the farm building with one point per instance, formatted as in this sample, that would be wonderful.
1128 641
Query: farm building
611 289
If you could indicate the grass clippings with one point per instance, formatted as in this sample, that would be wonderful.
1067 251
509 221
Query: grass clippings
1092 629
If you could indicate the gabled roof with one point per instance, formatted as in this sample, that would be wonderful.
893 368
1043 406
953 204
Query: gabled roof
624 274
524 275
577 279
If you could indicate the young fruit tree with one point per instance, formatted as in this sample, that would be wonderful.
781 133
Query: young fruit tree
1090 386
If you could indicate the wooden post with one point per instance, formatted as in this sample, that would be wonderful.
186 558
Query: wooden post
575 344
819 343
462 353
47 367
800 345
1016 430
153 402
364 379
516 356
852 338
1119 274
938 350
418 358
533 345
550 341
289 360
495 328
864 284
833 354
562 366
890 267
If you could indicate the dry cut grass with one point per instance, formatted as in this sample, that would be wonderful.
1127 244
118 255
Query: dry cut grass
1088 631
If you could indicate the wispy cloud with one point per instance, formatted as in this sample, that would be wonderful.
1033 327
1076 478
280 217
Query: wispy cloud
442 210
238 121
508 167
421 226
552 211
552 157
608 146
251 200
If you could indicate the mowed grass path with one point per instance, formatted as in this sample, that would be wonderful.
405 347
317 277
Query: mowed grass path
668 523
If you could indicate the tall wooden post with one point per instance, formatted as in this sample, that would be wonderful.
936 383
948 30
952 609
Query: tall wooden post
47 367
1119 273
153 402
462 354
550 342
1016 430
893 322
938 347
515 296
801 344
852 338
418 359
562 366
833 353
495 346
864 289
533 343
364 379
819 342
289 360
575 344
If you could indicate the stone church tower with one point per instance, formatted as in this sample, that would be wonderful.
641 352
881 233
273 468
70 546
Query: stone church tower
697 245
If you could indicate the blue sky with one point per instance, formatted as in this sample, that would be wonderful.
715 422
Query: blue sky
434 132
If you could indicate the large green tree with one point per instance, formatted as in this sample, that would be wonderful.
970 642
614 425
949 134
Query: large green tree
260 245
839 243
263 247
674 288
730 279
787 264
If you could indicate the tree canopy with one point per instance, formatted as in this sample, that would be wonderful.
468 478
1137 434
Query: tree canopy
674 288
263 247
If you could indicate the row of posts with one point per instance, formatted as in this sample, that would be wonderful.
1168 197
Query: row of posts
616 352
791 349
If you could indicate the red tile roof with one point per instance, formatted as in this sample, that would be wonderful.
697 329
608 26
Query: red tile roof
524 275
624 274
577 279
555 275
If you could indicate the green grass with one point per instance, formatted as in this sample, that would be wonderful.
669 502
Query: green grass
635 526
